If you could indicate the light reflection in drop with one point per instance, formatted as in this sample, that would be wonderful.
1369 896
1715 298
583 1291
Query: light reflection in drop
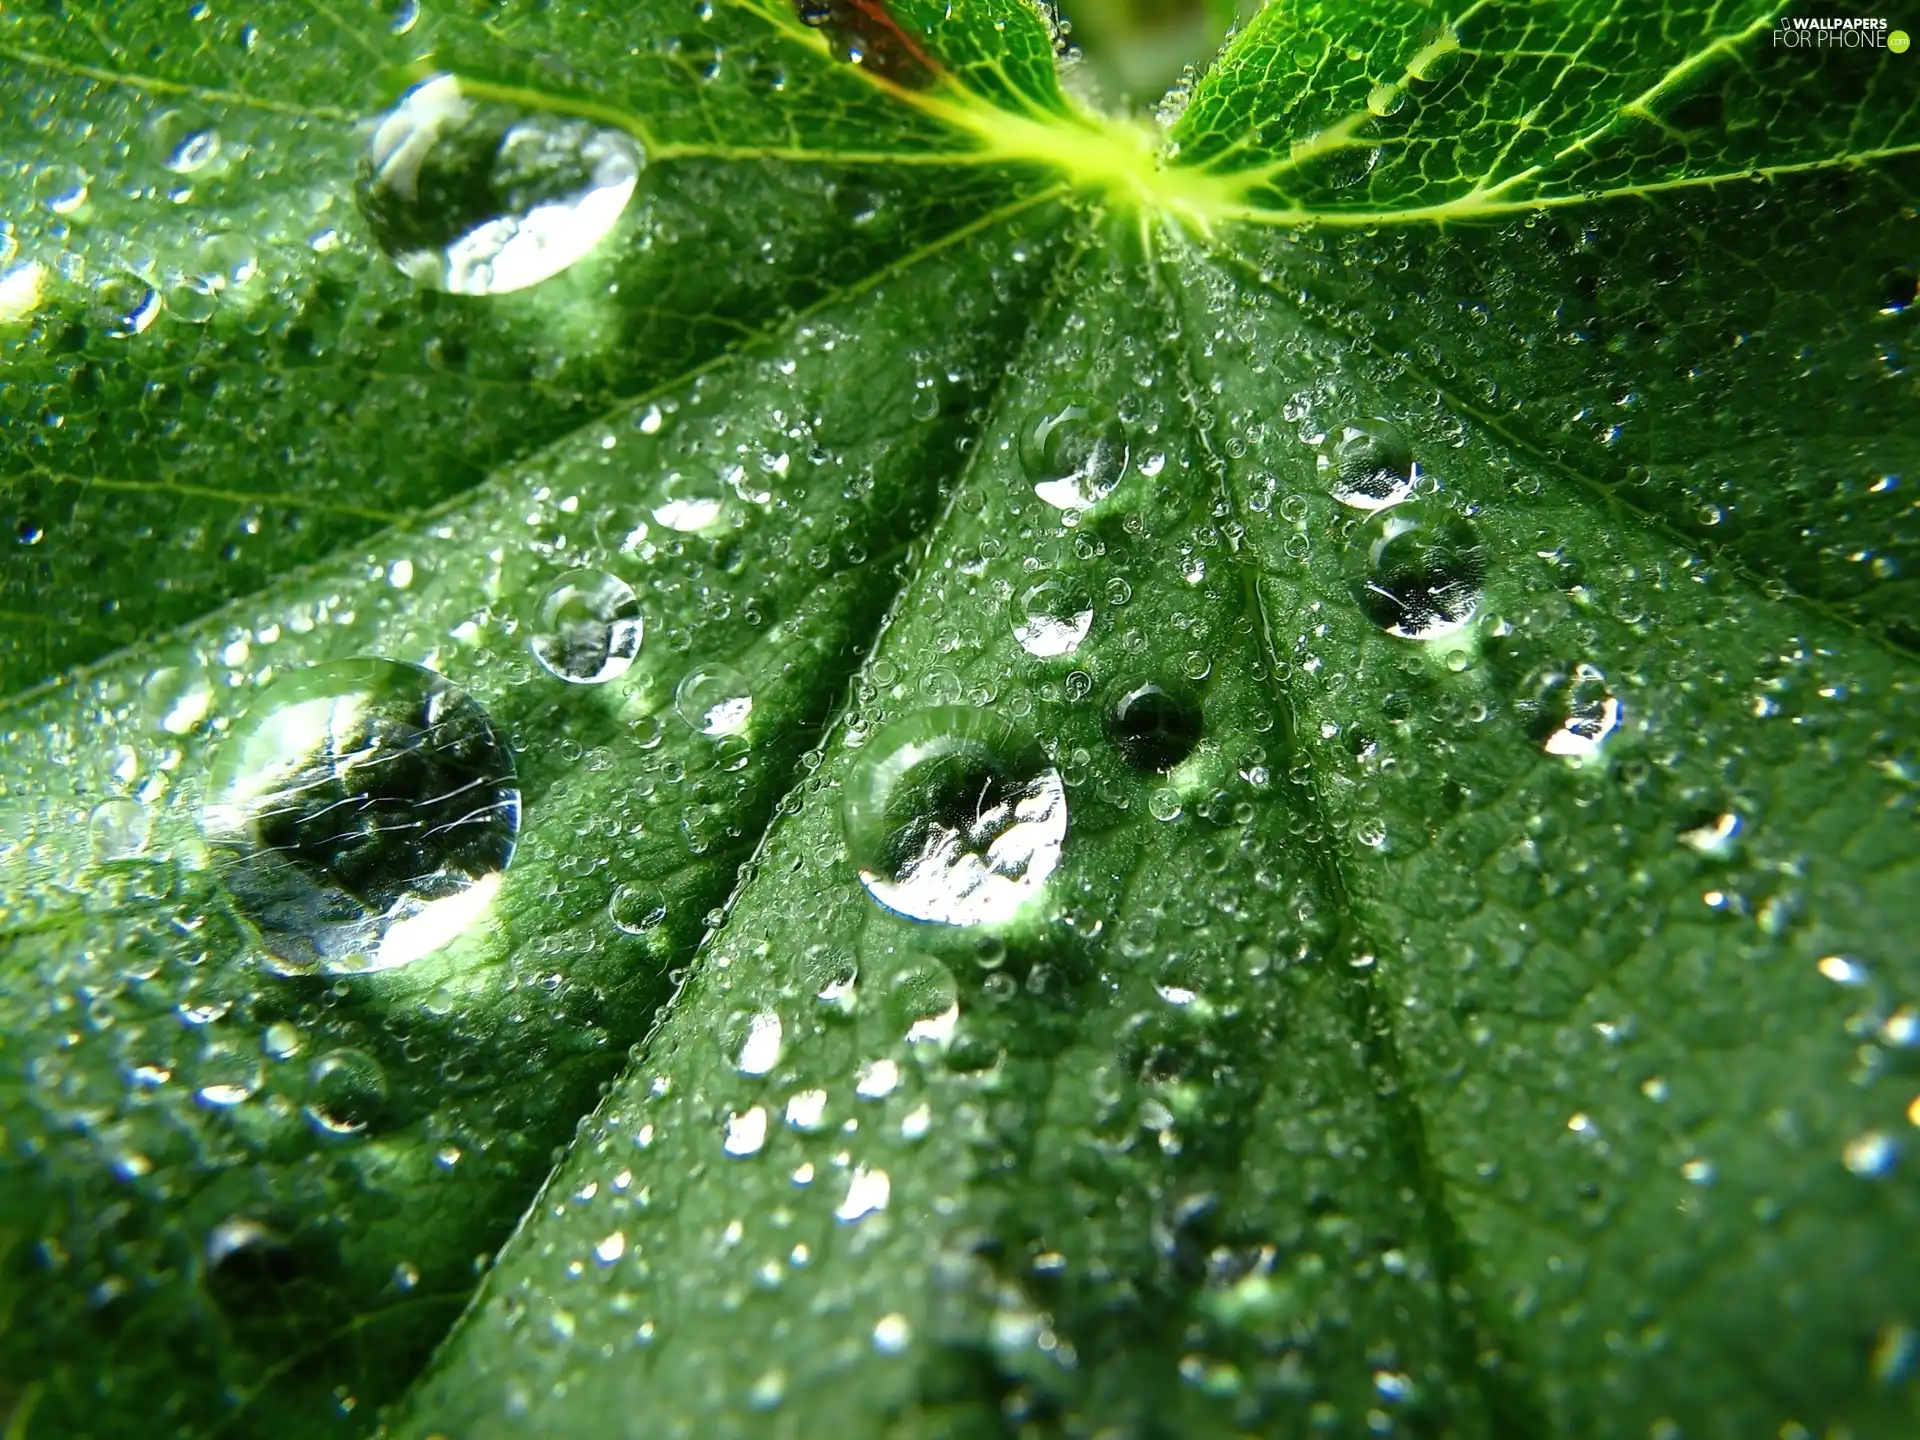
714 699
480 199
1051 617
364 812
953 816
1075 452
1422 571
590 628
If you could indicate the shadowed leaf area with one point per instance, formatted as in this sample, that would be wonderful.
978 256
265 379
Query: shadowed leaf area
727 720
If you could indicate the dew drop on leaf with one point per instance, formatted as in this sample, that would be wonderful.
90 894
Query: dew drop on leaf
480 199
589 628
1369 464
1714 835
953 816
62 188
635 910
1051 616
126 305
1154 725
715 700
191 300
184 142
363 812
346 1092
1571 710
690 505
1422 571
1075 452
226 260
117 828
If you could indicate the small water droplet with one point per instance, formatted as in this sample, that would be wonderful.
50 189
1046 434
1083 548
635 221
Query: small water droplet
1843 970
1384 100
226 260
955 817
636 910
1051 616
1369 464
1899 289
481 199
714 699
877 1079
690 504
589 628
62 188
1423 572
191 300
1075 452
364 811
1153 724
807 1109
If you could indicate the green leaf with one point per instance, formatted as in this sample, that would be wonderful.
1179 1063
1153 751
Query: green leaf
1474 992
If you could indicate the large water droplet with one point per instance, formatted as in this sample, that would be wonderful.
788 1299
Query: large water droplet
590 627
1154 725
364 811
954 816
1422 572
1051 616
480 198
1075 452
1369 464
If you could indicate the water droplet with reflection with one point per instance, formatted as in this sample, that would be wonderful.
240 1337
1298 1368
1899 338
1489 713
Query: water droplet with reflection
589 628
363 812
347 1090
481 199
1051 616
1075 452
714 699
1422 571
1369 464
1571 710
1153 725
953 816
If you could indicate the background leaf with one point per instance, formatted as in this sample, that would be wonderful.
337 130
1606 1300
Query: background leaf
1507 1032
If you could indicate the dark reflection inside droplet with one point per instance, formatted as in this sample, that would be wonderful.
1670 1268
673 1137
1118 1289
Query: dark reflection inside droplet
244 1262
1421 572
1153 725
1370 464
364 811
